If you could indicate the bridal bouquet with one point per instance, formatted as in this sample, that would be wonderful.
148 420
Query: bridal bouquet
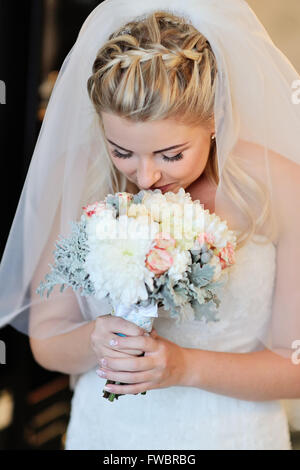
146 251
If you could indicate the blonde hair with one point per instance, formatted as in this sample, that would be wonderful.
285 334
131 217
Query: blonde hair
161 67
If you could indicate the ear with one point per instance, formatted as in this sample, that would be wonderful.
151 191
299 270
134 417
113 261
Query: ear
212 127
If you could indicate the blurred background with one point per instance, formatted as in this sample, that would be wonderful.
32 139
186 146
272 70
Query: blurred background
35 37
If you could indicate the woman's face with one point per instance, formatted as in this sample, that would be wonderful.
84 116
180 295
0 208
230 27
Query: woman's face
142 152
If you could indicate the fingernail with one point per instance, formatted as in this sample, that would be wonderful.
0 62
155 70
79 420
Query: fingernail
101 373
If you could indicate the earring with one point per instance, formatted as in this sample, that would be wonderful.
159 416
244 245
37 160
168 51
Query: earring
213 136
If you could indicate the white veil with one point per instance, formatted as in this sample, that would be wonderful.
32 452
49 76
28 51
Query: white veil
257 122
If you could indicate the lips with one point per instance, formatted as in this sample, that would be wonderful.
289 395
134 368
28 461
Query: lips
163 188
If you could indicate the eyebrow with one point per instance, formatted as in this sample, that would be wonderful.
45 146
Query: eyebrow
156 151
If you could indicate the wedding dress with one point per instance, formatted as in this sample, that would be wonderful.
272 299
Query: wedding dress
189 417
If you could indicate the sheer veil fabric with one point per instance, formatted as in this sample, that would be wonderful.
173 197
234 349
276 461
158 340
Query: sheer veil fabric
257 124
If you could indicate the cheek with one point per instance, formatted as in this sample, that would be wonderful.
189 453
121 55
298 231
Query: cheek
177 170
124 166
198 162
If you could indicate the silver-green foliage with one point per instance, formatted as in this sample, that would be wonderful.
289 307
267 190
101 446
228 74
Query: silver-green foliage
70 255
196 289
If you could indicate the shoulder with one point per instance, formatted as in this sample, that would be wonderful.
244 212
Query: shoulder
280 165
284 175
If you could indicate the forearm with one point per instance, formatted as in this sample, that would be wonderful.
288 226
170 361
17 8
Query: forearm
70 353
256 376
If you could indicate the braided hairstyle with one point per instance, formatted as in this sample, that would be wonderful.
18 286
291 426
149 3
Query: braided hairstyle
155 68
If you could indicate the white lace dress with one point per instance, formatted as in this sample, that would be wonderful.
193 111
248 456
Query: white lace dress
189 417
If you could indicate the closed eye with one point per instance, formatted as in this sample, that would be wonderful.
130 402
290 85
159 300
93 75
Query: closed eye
177 157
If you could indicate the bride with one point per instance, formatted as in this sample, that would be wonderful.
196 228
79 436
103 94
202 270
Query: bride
169 96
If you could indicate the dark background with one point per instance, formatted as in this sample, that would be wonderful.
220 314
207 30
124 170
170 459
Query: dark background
40 398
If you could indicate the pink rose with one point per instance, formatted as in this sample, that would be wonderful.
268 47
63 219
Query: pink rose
164 240
204 237
94 208
158 260
226 255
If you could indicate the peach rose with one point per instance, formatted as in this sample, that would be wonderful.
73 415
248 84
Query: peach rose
204 237
226 255
158 260
164 240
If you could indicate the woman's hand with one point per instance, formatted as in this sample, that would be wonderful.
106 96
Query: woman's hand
106 327
163 365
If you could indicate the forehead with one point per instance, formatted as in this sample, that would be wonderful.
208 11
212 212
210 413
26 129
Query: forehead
113 121
160 133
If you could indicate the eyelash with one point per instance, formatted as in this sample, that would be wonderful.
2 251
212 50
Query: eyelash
177 157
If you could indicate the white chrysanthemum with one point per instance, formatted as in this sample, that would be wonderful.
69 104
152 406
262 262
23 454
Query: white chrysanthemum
102 226
181 261
156 204
219 229
181 197
153 197
135 210
199 218
117 265
180 225
187 218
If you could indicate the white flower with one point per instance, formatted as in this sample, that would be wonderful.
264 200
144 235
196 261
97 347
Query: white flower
135 210
102 226
199 218
117 265
156 204
219 229
181 261
181 197
173 203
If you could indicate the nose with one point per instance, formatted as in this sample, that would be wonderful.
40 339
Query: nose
147 173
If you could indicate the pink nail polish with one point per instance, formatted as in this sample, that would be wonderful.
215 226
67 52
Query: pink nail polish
101 373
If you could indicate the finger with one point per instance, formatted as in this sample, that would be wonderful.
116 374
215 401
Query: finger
133 352
132 364
128 328
112 341
130 389
114 354
107 352
125 377
141 343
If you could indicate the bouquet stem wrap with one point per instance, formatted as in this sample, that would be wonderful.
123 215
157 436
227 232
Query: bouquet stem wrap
141 316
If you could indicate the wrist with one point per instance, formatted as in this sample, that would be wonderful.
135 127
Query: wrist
186 378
